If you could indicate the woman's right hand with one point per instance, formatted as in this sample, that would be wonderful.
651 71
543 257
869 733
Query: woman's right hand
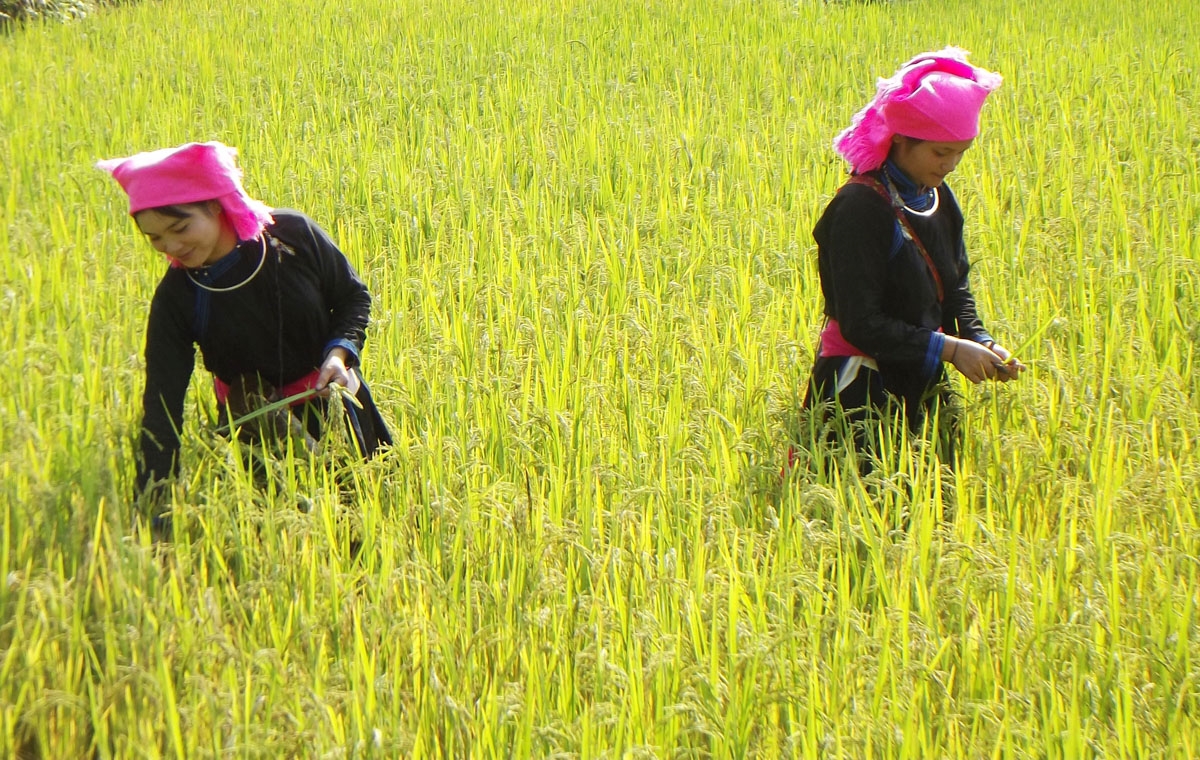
333 370
975 361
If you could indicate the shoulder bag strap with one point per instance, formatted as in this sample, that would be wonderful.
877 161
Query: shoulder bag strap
905 226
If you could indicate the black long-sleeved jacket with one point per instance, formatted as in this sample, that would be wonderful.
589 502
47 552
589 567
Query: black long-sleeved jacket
878 287
305 300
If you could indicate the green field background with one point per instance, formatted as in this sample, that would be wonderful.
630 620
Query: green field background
587 229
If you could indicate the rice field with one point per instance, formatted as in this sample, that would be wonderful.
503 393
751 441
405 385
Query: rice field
587 228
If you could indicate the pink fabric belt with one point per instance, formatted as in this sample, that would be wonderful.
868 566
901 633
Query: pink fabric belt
834 344
307 382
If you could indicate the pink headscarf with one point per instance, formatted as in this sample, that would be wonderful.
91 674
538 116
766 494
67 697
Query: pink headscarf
191 173
935 96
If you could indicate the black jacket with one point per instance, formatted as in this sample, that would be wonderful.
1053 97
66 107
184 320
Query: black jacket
306 299
878 287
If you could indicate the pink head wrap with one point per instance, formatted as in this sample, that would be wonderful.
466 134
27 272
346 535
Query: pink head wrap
191 173
935 96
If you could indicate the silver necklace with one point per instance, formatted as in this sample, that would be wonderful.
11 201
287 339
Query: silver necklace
253 274
898 200
937 201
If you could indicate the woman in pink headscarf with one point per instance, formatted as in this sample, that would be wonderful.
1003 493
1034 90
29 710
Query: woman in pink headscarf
274 306
892 262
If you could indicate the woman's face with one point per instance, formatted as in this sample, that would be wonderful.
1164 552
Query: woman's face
199 238
926 162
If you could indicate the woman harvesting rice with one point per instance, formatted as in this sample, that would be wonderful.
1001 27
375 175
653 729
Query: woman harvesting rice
892 262
266 295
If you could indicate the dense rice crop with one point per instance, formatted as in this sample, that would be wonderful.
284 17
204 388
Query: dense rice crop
587 228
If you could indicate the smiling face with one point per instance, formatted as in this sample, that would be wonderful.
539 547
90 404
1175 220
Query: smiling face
194 234
926 162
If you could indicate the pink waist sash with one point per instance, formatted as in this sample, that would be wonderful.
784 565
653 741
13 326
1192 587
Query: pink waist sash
307 382
834 344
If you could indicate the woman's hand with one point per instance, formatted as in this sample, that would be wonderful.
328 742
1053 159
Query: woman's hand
978 362
1009 367
333 370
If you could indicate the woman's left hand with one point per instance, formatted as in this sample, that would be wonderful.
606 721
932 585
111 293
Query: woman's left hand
1010 368
333 370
